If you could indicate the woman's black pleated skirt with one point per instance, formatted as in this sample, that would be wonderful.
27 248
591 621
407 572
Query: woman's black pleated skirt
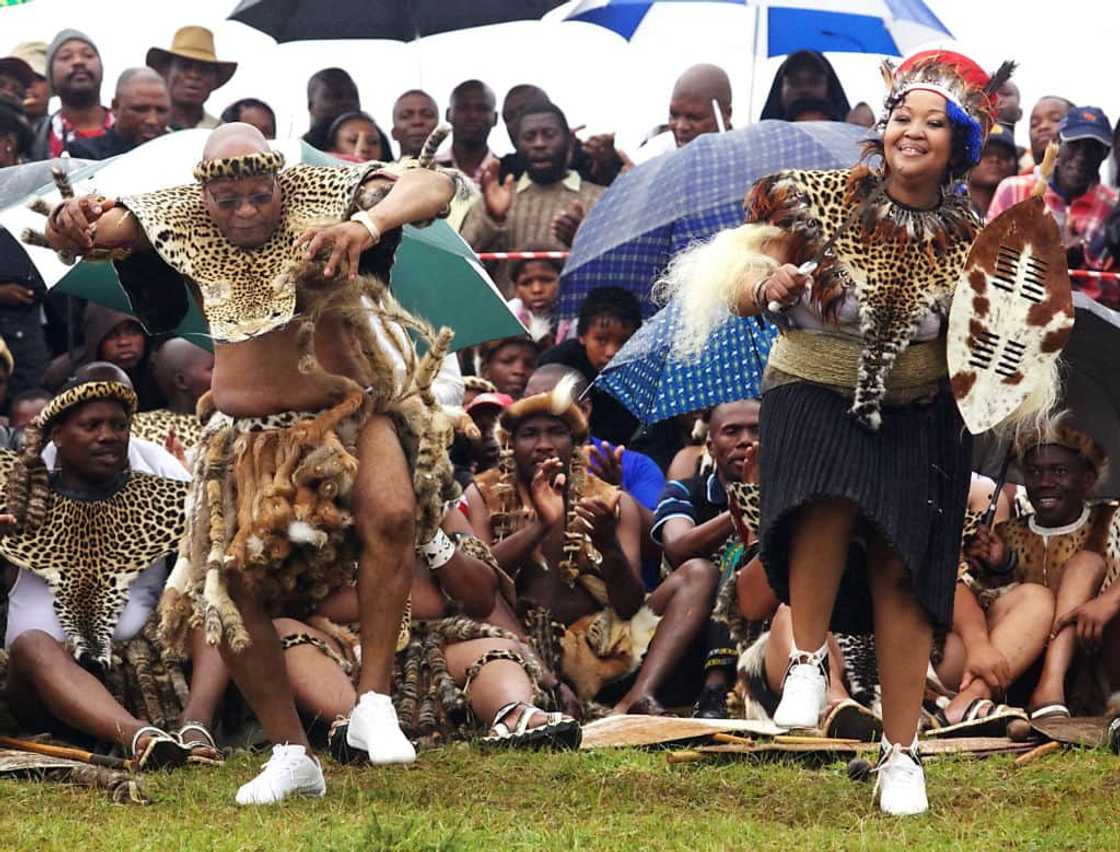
910 480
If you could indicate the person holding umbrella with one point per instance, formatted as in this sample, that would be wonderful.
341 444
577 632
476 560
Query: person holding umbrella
301 387
860 435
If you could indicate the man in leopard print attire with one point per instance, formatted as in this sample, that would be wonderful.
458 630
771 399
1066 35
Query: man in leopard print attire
1069 550
313 437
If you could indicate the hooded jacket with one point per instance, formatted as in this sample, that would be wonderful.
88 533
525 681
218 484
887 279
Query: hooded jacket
836 97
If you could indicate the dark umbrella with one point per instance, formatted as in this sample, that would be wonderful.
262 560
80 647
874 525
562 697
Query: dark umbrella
663 205
1090 391
400 20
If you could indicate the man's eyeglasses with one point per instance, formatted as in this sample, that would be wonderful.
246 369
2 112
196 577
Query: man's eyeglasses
229 203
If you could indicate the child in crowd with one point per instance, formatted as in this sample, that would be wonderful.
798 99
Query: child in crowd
536 284
508 363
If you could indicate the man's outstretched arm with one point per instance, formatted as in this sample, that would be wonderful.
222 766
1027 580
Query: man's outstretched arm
417 195
82 225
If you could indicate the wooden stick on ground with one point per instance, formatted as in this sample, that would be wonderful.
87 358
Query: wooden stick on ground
731 739
66 753
822 742
1035 753
685 756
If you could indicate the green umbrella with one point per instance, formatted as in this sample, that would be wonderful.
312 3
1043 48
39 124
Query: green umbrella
435 275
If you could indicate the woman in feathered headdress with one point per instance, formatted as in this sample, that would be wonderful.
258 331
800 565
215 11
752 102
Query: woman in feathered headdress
861 439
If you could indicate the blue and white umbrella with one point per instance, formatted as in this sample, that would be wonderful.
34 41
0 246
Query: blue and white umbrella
655 384
891 27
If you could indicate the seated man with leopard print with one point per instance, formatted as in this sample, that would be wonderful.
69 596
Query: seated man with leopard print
572 545
1070 545
90 540
316 450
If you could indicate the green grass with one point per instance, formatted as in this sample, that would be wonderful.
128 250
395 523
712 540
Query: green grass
457 799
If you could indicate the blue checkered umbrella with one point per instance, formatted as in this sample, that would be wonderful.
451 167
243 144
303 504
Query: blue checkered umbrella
654 384
663 205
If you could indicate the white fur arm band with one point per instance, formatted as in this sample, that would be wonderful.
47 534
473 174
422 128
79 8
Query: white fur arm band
438 551
362 218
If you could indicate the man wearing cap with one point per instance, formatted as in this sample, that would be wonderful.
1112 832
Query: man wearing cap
1075 197
38 92
1070 545
141 107
192 71
997 163
74 73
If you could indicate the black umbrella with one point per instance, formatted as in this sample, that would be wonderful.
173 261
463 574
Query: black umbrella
1090 392
400 20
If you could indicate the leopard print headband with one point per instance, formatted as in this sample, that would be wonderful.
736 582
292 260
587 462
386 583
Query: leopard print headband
232 168
86 392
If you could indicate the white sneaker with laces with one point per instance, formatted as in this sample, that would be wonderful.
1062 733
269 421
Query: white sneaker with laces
803 690
900 780
374 729
291 771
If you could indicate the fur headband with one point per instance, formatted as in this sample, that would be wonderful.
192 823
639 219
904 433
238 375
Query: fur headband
560 402
1063 434
232 168
86 392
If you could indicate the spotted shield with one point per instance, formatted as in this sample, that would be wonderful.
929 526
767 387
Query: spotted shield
1012 314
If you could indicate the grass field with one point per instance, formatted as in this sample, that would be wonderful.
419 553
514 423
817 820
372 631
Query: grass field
459 799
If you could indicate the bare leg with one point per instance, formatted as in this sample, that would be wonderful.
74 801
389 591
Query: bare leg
384 513
777 658
684 601
1019 624
321 688
259 671
1081 578
903 638
497 683
818 554
209 679
41 668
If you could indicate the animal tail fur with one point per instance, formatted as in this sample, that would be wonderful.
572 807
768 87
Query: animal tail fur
708 280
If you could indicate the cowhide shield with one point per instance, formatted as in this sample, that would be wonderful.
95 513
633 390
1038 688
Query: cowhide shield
1012 314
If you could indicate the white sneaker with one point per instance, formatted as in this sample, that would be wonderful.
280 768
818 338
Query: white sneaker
900 782
374 729
803 690
291 771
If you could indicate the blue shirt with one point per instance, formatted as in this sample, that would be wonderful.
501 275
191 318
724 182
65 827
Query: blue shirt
642 479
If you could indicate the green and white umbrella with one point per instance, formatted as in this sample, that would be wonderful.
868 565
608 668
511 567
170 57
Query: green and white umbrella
436 275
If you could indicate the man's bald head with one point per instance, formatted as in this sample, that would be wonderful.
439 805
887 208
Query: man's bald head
102 371
182 372
705 81
691 113
247 210
236 139
138 76
142 106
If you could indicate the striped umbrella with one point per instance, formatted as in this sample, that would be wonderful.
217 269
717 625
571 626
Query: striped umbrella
892 27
